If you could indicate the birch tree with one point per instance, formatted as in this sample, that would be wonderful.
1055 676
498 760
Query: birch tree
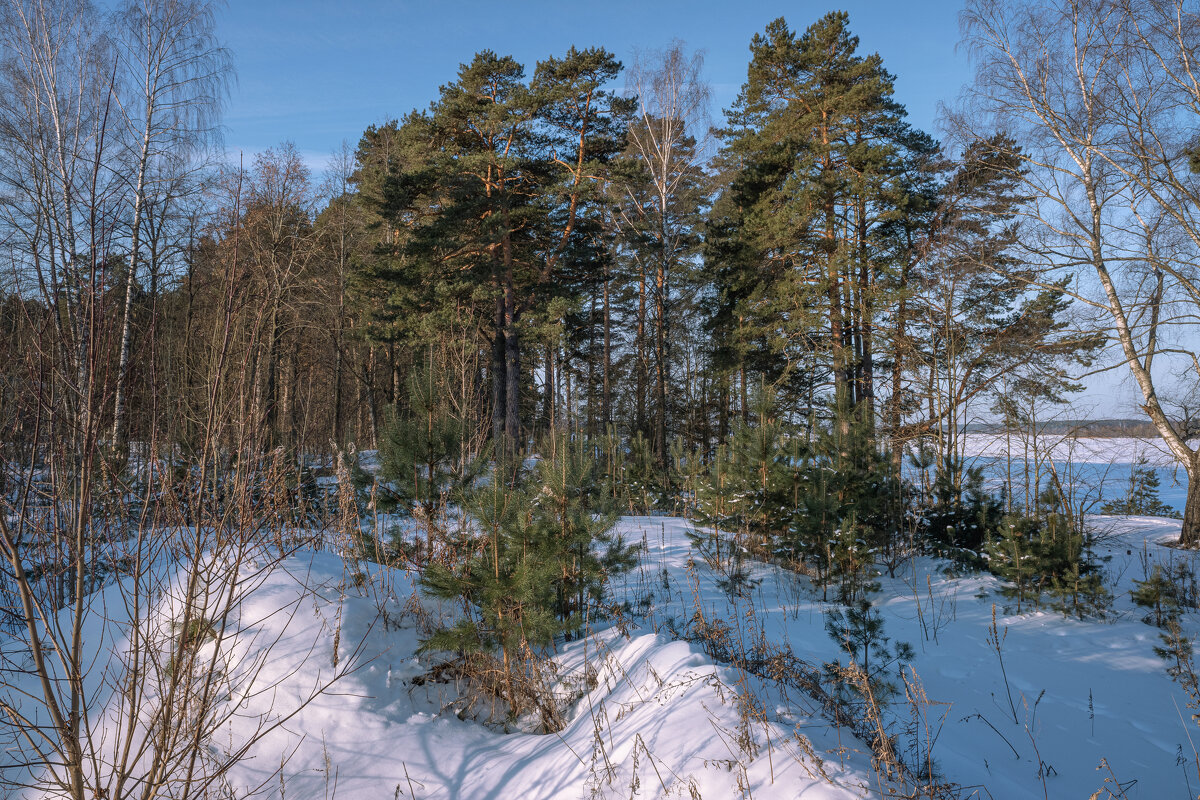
174 74
1103 97
660 205
56 197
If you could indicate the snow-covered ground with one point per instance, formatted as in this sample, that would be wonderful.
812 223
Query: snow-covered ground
663 720
1085 692
661 717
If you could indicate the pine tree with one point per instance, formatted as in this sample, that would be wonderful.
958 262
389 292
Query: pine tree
752 484
506 587
576 534
1009 557
425 459
967 318
815 148
1165 592
962 516
538 568
1157 593
643 482
849 510
1047 554
491 215
1141 496
858 630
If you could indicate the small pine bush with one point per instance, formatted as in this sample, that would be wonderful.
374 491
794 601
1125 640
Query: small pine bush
858 630
1047 556
536 570
1141 496
963 516
1157 593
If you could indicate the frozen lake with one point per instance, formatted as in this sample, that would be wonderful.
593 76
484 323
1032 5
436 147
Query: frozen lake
1098 469
1092 482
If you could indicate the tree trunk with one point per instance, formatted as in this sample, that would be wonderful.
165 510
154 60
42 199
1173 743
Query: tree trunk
591 367
498 382
270 408
745 382
724 402
1189 534
606 401
639 420
118 432
1140 364
661 366
567 398
339 430
866 332
899 363
395 392
837 338
548 389
512 369
372 408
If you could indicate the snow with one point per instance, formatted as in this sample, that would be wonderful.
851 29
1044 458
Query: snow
1086 692
378 735
663 719
661 716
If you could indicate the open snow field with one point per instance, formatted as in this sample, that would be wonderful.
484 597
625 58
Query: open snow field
663 720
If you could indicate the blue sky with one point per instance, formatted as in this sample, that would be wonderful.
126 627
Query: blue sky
317 72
